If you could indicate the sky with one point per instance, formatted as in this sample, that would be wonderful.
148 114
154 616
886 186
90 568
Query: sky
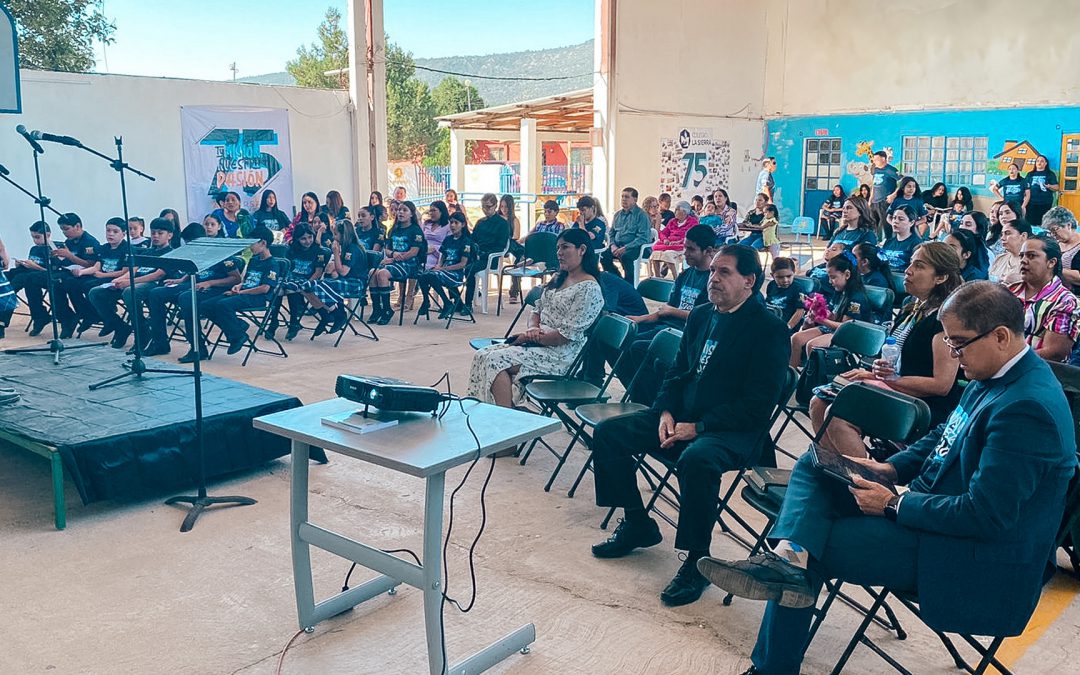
200 39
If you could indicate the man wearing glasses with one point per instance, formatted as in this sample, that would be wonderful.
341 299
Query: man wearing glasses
974 535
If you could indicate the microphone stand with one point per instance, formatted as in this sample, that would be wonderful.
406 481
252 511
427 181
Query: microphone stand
136 366
55 346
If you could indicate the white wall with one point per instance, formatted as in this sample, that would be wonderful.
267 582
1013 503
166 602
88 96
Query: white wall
681 63
853 55
146 112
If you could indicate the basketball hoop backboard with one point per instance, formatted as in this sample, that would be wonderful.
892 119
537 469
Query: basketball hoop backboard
10 94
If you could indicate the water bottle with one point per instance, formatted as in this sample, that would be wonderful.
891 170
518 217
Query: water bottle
890 352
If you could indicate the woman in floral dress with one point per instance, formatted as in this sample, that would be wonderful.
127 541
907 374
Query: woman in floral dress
570 305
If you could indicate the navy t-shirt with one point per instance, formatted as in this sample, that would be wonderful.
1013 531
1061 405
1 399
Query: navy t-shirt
38 254
404 238
221 270
356 260
1012 189
260 271
112 259
689 290
784 301
620 296
916 203
850 306
85 247
275 221
455 249
372 238
852 237
1037 182
884 183
597 228
142 271
898 253
306 260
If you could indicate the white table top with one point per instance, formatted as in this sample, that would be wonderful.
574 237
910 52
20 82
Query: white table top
419 445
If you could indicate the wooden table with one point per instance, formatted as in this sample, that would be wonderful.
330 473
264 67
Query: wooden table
420 446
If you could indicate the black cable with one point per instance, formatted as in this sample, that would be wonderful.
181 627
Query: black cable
490 77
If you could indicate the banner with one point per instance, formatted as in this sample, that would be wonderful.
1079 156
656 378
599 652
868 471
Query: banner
693 163
241 150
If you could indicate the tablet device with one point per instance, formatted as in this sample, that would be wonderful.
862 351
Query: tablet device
841 468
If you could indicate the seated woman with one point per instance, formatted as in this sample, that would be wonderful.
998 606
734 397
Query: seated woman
448 274
936 200
557 330
857 222
667 251
962 204
966 245
348 279
926 368
848 302
1005 268
898 248
436 228
368 229
908 194
726 223
308 263
404 258
831 209
752 222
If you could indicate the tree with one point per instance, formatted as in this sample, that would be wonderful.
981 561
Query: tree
59 34
330 53
451 96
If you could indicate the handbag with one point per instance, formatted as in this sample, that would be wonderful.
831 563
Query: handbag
822 365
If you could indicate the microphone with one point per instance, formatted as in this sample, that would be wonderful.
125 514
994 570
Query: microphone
3 170
30 139
52 138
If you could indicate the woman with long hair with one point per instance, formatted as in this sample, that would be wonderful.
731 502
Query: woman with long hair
269 215
506 210
376 207
993 234
898 248
857 224
404 257
831 210
966 246
348 279
977 223
926 367
309 260
908 194
557 327
233 218
309 206
1005 268
336 205
1042 186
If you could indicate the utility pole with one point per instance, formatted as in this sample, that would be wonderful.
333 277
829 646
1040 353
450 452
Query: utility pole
233 68
468 94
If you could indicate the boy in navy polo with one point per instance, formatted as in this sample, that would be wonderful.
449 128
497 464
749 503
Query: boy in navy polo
112 258
260 280
79 250
29 276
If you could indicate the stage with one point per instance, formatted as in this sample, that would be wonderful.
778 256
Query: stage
136 437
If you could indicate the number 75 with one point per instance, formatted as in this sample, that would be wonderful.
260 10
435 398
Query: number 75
695 168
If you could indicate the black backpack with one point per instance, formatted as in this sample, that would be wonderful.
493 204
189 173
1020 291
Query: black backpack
823 364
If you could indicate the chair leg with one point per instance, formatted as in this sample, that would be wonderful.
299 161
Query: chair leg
859 633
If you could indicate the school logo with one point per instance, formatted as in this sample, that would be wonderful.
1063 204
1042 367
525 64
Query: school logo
854 308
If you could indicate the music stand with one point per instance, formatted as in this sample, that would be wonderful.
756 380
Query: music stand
193 258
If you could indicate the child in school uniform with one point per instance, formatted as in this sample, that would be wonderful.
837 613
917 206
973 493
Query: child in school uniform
29 275
79 250
254 291
455 254
404 256
369 231
105 297
308 263
112 259
782 296
769 226
348 279
136 228
848 302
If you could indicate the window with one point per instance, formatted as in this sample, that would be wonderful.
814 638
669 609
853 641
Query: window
954 160
821 163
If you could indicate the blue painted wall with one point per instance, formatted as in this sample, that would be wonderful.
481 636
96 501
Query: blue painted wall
1042 127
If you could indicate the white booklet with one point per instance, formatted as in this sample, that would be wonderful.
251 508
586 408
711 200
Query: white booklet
359 423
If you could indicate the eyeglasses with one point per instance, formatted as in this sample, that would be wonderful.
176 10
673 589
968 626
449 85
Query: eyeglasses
957 348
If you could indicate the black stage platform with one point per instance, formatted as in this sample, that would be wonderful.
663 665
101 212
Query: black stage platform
136 437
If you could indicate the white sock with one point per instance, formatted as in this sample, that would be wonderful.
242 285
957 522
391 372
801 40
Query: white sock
793 553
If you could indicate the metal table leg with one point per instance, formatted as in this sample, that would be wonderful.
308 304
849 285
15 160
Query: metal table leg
301 553
59 505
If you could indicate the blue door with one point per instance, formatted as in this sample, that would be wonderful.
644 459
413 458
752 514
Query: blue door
821 171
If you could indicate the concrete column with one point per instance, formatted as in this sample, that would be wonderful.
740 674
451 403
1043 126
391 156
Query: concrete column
359 109
530 169
605 107
367 93
457 160
377 93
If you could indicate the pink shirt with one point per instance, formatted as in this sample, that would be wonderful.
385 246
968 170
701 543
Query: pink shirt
673 234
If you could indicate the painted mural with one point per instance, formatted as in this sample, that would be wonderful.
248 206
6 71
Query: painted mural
973 148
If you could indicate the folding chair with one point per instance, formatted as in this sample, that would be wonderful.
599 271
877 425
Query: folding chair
901 296
881 415
881 302
355 306
656 289
560 396
858 340
659 358
540 249
529 301
260 317
451 316
800 226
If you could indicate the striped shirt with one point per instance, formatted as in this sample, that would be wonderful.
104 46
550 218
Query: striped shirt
1053 309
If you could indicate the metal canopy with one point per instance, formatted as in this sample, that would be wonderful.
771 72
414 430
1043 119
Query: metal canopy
572 111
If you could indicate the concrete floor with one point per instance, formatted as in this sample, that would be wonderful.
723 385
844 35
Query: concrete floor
122 591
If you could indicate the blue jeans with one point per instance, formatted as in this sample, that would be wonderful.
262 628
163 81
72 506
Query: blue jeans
820 515
754 241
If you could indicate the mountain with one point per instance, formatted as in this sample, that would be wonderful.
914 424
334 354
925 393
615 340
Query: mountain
555 62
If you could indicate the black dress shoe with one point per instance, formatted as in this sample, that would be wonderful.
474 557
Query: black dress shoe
84 326
36 328
120 336
67 330
292 332
628 536
155 349
763 577
106 330
190 357
686 587
237 343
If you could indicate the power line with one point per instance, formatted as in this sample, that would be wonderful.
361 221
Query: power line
492 77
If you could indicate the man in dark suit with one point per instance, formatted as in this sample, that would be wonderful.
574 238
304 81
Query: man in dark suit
974 536
709 417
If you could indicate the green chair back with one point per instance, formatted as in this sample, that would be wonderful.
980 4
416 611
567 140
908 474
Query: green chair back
881 413
806 285
881 299
540 247
655 289
614 332
860 338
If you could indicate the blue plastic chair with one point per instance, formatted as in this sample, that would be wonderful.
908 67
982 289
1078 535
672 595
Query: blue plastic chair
804 225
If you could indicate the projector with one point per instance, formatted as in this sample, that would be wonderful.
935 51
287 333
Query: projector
388 394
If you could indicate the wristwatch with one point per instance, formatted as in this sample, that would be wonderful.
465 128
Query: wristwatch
699 428
889 511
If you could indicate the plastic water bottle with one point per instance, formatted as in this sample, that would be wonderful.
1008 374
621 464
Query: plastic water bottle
890 352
